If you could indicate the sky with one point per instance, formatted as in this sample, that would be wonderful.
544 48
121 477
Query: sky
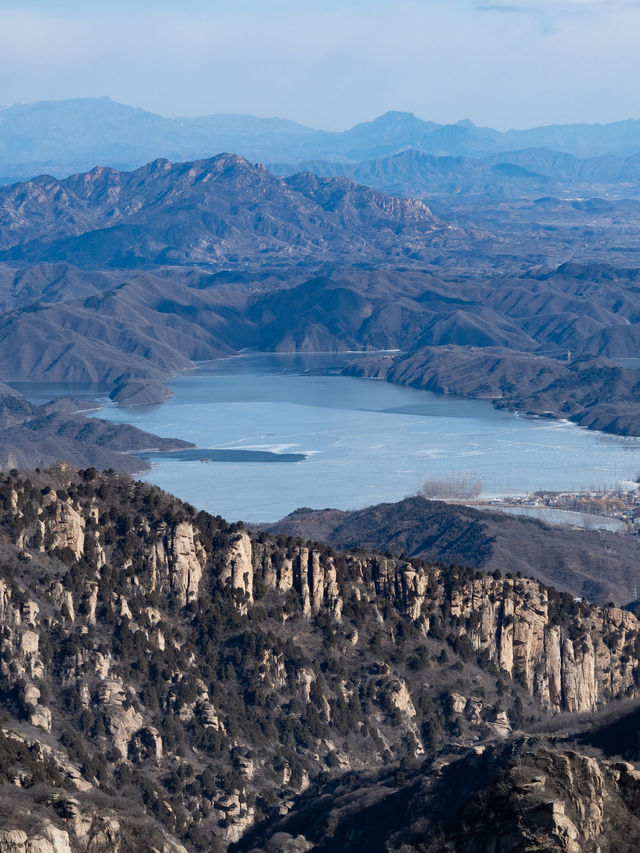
332 63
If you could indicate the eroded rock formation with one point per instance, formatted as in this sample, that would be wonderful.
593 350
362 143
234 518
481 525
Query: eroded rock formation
200 667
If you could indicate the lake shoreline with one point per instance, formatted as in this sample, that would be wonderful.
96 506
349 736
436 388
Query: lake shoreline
592 392
364 442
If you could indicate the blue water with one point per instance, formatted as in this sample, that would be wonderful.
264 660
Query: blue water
365 441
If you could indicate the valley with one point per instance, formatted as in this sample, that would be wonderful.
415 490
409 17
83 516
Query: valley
135 282
364 441
272 641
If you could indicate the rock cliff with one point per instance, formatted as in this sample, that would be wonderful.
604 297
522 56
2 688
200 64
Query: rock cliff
599 565
81 826
528 795
210 675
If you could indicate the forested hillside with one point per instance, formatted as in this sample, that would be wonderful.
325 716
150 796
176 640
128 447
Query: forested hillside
163 669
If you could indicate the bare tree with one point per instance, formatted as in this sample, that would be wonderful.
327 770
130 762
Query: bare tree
458 487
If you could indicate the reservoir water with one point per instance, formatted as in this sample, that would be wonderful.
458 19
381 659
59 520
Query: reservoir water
348 442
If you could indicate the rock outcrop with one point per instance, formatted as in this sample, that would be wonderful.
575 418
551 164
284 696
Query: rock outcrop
522 626
211 674
185 559
82 828
514 621
526 795
238 566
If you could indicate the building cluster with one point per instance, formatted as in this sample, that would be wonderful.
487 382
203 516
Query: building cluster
621 504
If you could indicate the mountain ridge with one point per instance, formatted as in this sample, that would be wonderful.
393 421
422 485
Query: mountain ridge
211 675
597 565
55 133
202 212
525 173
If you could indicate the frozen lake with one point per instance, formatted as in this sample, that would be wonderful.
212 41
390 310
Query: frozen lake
362 441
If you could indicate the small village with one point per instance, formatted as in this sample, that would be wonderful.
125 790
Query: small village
621 504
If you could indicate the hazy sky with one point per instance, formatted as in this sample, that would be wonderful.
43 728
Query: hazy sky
326 63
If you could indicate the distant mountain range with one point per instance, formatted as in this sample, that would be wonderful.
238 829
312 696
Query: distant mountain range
62 137
219 211
528 173
124 278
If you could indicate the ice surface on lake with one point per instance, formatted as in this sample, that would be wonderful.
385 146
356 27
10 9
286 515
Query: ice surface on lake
366 441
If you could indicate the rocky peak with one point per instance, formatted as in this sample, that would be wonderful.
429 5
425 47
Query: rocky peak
203 212
200 667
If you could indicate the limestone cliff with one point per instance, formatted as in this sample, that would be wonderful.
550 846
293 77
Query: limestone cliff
528 795
68 825
212 674
567 665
